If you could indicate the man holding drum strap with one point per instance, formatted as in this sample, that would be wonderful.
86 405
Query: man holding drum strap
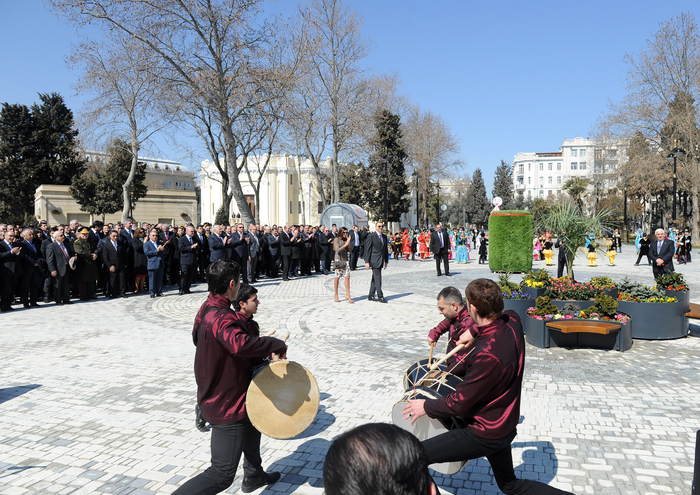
488 400
457 321
228 347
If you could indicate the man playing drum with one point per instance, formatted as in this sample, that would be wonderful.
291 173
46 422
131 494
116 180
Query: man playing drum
228 347
488 400
457 321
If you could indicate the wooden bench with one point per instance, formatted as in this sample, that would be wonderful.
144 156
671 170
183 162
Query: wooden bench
694 311
619 339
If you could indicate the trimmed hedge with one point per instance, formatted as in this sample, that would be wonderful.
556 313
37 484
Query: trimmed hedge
510 241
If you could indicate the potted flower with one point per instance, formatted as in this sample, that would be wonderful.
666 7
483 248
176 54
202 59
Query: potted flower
673 284
513 296
605 308
657 316
565 289
607 285
535 282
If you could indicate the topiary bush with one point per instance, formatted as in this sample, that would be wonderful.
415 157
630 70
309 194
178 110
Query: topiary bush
543 307
604 306
510 241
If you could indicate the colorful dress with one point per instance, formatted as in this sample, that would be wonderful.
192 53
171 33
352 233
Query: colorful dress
611 252
423 245
548 251
453 245
462 250
536 248
406 244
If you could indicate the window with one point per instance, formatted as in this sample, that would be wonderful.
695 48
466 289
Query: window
521 181
559 166
558 180
521 169
529 180
541 193
549 166
582 166
528 167
612 166
612 153
549 193
291 182
290 208
598 168
574 166
574 152
299 207
320 206
582 152
549 181
541 166
541 180
529 194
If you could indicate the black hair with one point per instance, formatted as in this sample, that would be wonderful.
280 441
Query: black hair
376 458
219 275
451 295
244 293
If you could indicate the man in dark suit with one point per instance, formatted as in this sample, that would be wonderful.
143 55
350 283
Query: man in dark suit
126 237
57 261
239 243
203 260
189 249
217 244
273 247
10 267
114 258
376 258
285 251
563 257
165 237
95 234
356 243
324 243
32 279
440 246
155 252
661 253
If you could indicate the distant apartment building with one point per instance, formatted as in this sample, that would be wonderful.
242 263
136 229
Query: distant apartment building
540 175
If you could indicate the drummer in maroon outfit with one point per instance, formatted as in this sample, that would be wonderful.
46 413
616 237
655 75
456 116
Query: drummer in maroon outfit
228 347
488 400
456 322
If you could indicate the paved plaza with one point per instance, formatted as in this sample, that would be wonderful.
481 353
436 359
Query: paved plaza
98 397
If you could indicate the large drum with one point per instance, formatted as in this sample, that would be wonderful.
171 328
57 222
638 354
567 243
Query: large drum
419 374
282 399
426 427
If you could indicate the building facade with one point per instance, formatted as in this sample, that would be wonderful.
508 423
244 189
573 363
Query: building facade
541 175
171 198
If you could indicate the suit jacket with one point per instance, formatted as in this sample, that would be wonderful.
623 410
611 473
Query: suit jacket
273 245
354 237
94 238
188 255
10 264
154 257
563 255
240 247
110 257
217 248
435 242
665 254
325 243
55 259
376 252
203 241
285 244
254 246
29 257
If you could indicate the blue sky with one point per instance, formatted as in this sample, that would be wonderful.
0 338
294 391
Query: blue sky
507 76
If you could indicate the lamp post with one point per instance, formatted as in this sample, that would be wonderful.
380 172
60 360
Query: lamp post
676 153
414 176
438 202
386 180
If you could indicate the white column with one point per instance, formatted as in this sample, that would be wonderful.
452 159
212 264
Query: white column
282 188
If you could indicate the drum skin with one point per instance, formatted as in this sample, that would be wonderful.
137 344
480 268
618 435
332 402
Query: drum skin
426 427
282 399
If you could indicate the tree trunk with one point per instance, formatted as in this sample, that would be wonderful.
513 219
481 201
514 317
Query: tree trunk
232 171
335 173
695 208
320 180
126 187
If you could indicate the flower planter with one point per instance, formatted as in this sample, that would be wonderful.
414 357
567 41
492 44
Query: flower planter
614 292
559 303
520 306
534 292
537 334
682 296
656 321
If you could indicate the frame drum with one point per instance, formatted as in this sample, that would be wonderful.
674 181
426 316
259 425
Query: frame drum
419 374
426 427
282 399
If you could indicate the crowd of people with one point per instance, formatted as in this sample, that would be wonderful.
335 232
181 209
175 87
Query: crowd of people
465 245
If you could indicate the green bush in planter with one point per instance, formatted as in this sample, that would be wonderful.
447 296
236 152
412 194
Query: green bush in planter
510 241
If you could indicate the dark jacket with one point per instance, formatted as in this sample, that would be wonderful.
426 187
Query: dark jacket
10 264
87 267
435 243
665 254
240 247
273 245
376 252
285 244
188 254
56 260
217 248
110 257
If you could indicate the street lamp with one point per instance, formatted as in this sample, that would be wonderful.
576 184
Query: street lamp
624 218
676 153
414 176
438 202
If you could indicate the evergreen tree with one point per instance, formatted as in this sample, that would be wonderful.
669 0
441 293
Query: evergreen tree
353 179
503 185
388 154
17 154
99 190
478 206
221 216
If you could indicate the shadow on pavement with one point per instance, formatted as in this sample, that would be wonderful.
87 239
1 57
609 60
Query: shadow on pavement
10 393
304 465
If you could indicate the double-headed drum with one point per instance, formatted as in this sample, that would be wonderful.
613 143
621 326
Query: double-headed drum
419 374
282 399
426 427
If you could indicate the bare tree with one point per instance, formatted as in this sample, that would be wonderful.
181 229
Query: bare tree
127 99
215 52
663 86
432 148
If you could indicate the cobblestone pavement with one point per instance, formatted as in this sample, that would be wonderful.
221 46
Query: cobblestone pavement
98 397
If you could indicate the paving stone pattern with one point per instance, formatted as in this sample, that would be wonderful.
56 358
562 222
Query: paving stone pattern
98 397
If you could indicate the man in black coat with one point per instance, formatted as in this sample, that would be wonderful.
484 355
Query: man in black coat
114 258
218 242
95 234
273 249
57 261
376 258
203 259
285 251
189 249
239 242
356 239
32 279
563 255
661 253
440 246
325 244
10 268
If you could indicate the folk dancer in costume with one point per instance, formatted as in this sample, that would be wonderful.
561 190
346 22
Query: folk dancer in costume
457 321
229 346
611 252
423 239
488 400
592 255
536 246
643 249
453 244
688 246
406 242
414 245
548 251
638 239
462 252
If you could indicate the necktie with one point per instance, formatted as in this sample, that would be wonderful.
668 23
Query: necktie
31 246
658 248
442 242
65 253
381 241
115 245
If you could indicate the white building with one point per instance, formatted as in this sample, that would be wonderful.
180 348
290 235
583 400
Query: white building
288 190
540 175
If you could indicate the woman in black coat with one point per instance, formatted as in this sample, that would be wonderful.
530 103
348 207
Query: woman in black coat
643 249
482 249
140 261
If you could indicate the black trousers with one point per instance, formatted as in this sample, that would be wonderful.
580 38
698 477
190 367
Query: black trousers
61 288
462 444
560 268
446 262
286 259
117 283
640 257
273 266
376 284
7 291
30 285
228 442
187 276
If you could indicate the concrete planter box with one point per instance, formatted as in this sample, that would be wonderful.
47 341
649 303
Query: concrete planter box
520 306
537 334
614 292
534 292
656 321
682 296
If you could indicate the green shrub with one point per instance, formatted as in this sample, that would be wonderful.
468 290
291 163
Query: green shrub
510 241
604 306
544 306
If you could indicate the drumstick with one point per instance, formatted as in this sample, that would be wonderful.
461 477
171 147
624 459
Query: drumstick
270 333
284 339
430 358
446 357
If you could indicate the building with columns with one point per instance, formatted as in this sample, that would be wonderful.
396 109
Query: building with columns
288 190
